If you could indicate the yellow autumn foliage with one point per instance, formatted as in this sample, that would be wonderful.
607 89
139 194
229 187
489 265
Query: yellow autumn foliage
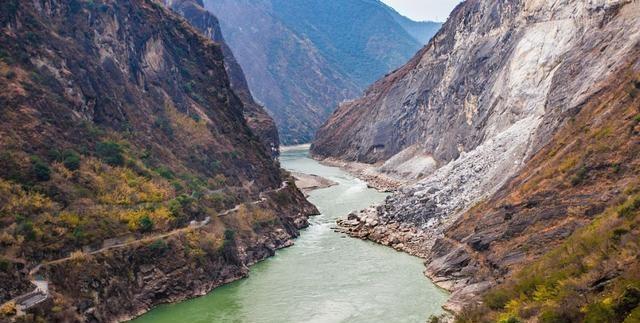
8 309
70 219
15 200
121 186
197 131
161 217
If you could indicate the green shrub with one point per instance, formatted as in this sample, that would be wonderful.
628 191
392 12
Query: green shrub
110 152
25 228
177 205
616 168
579 176
629 300
177 186
78 234
229 235
165 172
599 312
629 208
145 224
75 6
164 124
497 299
40 169
4 265
71 160
9 7
553 317
511 319
159 245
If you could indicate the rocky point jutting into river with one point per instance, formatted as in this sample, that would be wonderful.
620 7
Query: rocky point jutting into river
509 109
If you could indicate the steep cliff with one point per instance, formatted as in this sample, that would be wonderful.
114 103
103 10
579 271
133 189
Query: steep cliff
257 118
120 128
520 118
302 58
494 66
480 99
525 238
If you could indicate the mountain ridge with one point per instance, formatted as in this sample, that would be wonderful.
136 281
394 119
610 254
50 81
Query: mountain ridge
301 58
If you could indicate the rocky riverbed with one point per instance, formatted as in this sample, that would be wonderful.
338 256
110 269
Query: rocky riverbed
369 173
367 225
311 182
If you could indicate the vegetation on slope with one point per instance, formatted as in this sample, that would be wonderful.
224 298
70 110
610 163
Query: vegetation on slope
119 123
586 177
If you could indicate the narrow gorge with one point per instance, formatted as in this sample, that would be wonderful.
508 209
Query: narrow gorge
484 169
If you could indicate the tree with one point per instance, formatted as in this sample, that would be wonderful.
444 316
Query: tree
110 152
41 170
71 160
145 224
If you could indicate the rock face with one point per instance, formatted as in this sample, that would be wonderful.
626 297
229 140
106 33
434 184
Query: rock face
257 118
501 81
120 126
481 98
302 58
589 166
493 66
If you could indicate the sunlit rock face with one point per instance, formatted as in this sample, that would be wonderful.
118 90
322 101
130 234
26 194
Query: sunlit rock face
484 95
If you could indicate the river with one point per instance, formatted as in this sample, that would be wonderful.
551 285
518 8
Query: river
325 276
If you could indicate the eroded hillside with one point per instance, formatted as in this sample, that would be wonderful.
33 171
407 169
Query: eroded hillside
121 135
586 176
257 118
518 123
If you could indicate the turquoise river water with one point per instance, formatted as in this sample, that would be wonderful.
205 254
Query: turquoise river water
325 276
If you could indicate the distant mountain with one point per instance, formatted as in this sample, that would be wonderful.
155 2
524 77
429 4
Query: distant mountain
422 31
302 58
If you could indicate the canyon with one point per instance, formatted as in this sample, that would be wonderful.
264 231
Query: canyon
133 172
142 175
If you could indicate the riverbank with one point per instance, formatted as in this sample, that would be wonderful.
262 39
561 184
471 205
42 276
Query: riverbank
175 266
324 277
367 225
311 182
369 173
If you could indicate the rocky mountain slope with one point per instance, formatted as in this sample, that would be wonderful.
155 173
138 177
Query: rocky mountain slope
487 91
122 135
257 118
502 90
586 177
302 58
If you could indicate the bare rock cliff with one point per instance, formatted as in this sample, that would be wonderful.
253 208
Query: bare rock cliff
484 95
483 102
